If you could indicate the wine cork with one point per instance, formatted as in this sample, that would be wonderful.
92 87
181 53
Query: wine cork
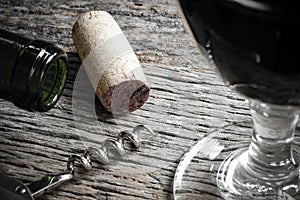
110 62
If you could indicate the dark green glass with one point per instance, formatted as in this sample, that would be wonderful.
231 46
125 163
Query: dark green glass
32 72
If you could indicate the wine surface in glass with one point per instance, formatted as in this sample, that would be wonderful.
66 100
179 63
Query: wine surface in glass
255 45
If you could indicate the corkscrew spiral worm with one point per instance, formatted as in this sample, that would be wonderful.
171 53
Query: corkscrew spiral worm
109 147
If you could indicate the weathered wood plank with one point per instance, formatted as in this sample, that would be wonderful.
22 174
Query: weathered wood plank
187 101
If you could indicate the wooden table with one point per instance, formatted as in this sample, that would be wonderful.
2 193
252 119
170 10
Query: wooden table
187 101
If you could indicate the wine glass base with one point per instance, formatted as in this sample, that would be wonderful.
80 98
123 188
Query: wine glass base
235 182
203 171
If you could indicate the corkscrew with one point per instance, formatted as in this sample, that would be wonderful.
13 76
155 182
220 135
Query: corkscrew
110 147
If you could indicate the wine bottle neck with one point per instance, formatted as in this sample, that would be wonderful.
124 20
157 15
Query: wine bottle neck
32 72
46 69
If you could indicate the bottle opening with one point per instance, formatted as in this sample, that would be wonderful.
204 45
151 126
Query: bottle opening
54 82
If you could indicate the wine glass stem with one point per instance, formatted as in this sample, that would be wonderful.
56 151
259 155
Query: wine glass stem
270 154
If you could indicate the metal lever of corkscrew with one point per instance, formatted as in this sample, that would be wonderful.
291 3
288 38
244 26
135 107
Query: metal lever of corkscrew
51 181
48 182
12 189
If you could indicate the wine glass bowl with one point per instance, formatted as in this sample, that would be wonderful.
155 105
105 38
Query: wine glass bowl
254 46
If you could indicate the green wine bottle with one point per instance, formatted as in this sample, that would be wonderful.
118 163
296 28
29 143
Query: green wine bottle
32 72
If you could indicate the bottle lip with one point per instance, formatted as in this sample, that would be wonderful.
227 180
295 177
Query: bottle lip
45 67
56 62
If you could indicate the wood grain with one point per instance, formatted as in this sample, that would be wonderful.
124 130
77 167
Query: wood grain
187 101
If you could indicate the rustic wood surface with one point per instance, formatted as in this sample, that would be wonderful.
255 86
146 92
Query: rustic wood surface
187 101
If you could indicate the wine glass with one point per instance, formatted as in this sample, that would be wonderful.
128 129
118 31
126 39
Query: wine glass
254 45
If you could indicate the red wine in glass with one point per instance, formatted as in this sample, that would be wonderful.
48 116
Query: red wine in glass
254 44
